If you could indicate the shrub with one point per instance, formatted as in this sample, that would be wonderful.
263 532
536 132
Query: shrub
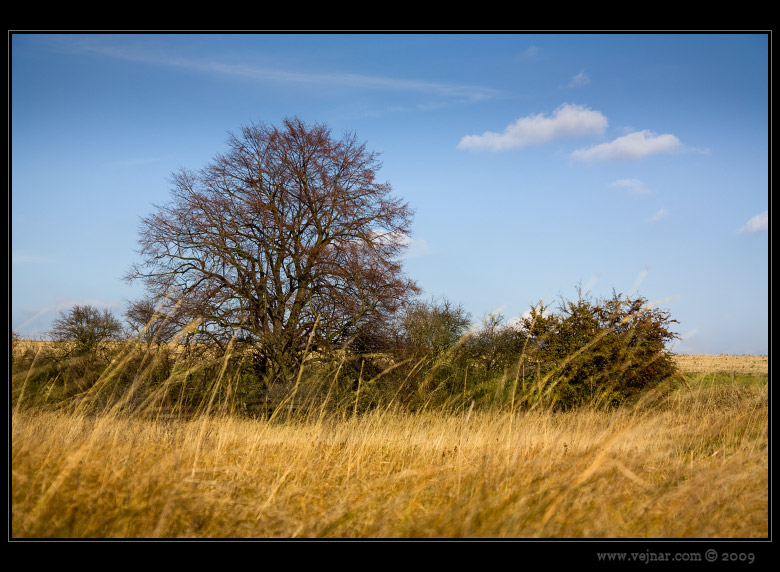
597 351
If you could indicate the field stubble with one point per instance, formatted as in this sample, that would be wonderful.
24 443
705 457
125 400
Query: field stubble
692 466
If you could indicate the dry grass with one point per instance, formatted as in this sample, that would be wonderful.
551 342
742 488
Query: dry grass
694 465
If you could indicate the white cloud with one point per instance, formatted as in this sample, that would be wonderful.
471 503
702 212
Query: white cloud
568 120
417 247
631 185
579 80
632 146
758 223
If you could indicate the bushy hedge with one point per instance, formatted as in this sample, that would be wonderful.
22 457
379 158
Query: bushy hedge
584 352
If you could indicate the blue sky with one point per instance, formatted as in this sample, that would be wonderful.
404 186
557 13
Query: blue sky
534 162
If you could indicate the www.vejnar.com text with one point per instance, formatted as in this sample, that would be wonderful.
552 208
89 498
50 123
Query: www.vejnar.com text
648 556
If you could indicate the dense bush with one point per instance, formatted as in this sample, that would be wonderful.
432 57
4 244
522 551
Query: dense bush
597 351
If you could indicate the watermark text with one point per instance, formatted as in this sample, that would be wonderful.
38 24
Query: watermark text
648 556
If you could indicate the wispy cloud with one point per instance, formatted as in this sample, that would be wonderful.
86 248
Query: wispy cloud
269 73
19 258
758 223
579 80
566 121
661 213
530 53
634 186
632 146
135 162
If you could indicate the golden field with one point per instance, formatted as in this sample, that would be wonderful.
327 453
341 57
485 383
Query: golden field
727 364
692 463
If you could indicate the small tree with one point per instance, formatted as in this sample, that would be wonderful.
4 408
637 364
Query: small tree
87 326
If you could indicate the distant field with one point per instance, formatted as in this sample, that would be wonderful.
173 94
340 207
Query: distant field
740 365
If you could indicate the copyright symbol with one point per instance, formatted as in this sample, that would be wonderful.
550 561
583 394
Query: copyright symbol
711 555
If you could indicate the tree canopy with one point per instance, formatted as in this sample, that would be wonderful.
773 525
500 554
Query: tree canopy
285 238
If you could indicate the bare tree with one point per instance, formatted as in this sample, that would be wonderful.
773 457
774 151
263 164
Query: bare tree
287 229
87 326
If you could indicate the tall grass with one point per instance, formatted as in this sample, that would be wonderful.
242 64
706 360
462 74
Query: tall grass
690 462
